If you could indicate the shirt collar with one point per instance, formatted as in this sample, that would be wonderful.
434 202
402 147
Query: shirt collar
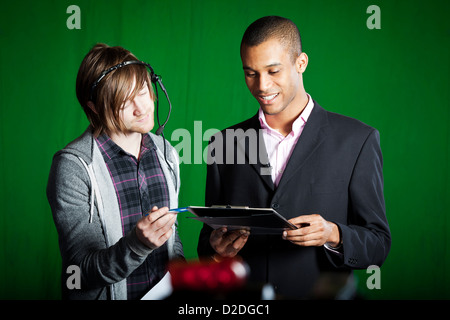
111 150
147 142
298 123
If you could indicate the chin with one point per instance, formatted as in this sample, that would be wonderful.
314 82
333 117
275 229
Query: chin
271 110
145 128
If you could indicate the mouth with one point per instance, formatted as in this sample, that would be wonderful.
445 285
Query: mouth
267 99
144 118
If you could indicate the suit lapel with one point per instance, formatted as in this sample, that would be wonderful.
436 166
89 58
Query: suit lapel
312 136
255 151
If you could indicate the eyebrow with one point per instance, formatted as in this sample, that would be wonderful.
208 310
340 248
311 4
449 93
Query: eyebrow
275 64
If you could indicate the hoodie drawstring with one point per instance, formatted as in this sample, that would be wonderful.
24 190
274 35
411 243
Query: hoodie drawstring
93 193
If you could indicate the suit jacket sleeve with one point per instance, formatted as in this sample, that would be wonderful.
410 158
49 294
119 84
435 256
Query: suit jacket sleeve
366 238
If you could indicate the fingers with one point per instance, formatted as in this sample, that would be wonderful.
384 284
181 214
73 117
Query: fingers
156 228
228 244
236 239
305 220
165 236
160 218
240 241
227 238
156 213
315 233
306 236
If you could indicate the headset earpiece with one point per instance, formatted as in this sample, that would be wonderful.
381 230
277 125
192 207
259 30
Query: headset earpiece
154 77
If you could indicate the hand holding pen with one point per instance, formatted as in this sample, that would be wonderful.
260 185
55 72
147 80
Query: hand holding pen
155 227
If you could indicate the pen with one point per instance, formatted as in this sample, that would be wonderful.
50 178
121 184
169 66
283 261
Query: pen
184 209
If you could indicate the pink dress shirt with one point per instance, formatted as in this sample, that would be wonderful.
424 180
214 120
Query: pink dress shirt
279 148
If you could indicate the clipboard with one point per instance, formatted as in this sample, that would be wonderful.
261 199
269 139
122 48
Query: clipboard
256 220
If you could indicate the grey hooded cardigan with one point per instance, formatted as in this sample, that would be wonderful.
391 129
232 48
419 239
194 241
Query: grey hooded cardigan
87 217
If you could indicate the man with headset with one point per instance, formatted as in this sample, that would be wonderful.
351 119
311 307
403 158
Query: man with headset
110 189
321 171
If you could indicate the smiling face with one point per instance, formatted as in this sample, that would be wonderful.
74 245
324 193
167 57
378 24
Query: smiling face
274 78
137 114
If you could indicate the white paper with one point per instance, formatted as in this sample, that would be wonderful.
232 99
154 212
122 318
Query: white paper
161 290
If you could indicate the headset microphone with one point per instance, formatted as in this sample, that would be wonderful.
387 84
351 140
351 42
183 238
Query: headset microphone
157 80
160 130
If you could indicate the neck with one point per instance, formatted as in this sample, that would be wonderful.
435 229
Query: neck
282 121
130 143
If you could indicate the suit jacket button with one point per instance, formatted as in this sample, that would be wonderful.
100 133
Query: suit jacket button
275 205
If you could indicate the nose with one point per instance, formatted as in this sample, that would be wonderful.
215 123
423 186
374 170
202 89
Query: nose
141 106
264 83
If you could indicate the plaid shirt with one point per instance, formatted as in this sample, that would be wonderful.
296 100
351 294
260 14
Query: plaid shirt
140 185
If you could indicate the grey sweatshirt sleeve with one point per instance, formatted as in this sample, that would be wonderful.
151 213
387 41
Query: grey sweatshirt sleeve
178 252
82 243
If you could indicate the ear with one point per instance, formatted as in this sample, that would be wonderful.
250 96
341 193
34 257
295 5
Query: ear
91 106
301 63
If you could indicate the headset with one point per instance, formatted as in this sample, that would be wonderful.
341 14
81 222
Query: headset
156 80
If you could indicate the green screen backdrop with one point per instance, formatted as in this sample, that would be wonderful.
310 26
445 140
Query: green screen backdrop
395 78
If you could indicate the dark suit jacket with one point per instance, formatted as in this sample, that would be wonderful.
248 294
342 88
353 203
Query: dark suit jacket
335 170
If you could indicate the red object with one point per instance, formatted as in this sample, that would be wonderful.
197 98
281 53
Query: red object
225 275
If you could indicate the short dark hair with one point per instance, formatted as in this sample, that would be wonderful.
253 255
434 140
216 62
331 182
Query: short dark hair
113 90
271 27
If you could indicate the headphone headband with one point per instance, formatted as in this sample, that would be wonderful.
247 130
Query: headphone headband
153 77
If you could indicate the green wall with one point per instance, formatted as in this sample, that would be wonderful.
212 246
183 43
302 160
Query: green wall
395 78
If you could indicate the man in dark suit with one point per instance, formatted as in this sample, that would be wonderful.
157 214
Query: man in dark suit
320 170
